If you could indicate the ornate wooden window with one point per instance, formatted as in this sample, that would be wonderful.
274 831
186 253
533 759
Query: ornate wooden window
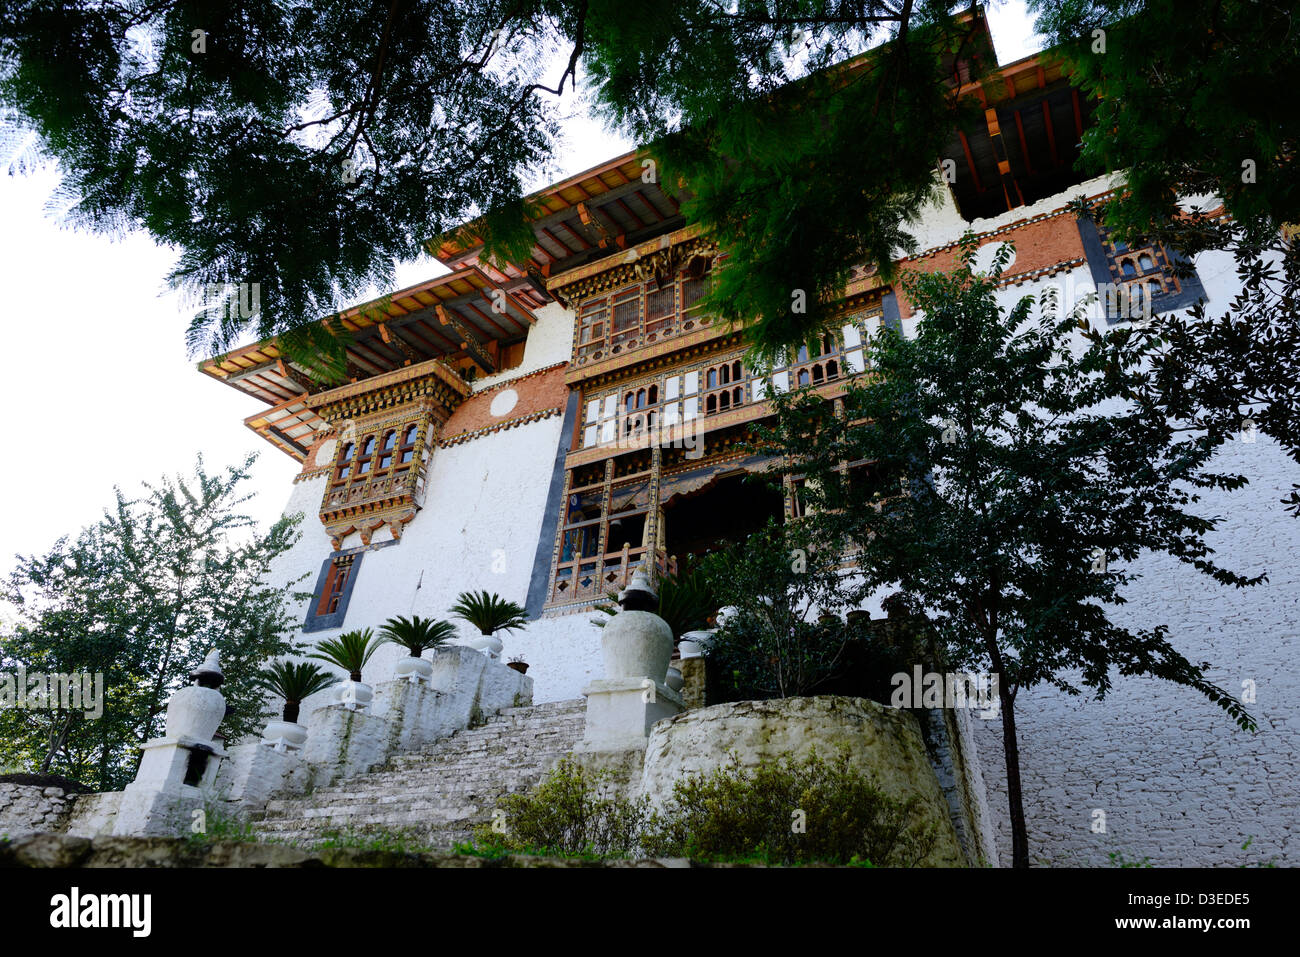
660 306
1135 282
592 324
604 532
364 459
386 449
344 468
329 603
639 313
339 572
409 438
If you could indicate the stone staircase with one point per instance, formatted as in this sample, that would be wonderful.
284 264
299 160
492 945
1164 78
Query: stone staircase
440 794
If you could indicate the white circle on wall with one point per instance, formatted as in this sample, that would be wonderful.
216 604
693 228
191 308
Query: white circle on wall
504 401
325 454
983 260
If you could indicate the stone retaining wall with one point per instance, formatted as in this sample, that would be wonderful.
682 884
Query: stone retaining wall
26 807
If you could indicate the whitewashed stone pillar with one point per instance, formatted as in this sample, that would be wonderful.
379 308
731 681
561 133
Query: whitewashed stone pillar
177 770
636 645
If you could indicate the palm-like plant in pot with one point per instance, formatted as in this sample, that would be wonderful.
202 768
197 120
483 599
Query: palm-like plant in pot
350 651
489 613
295 683
416 635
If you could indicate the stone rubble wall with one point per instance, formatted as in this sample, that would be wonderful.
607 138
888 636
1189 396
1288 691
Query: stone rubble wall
884 741
25 808
93 815
65 851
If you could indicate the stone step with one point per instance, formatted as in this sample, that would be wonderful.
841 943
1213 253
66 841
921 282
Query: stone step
441 793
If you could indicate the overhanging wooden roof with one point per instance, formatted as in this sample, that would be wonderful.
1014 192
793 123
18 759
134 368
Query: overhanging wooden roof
292 426
1027 143
463 314
585 217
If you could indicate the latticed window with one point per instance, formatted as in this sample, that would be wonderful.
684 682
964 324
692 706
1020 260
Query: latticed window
627 310
693 290
621 318
386 448
335 585
592 325
659 307
407 452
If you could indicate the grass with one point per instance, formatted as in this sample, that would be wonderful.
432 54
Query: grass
393 841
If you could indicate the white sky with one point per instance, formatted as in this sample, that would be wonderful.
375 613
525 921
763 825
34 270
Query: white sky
96 388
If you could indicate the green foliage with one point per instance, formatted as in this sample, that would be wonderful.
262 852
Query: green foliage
391 840
349 651
1184 105
731 814
222 826
1119 860
236 154
489 612
780 585
792 812
1031 478
1020 458
140 597
294 682
1184 113
567 815
443 108
771 149
417 634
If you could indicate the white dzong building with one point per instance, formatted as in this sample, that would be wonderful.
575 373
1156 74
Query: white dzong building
541 429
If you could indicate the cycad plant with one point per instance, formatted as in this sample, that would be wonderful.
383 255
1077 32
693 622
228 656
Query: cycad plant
295 683
416 634
489 612
350 651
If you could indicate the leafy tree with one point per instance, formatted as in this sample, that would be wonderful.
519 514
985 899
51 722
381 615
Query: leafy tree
141 597
779 585
1184 106
351 133
1030 477
1185 110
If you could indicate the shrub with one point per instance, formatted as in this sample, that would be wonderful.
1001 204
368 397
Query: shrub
774 644
736 813
731 814
221 823
570 814
373 838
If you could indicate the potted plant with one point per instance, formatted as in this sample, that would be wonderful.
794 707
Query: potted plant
294 683
518 664
350 651
489 613
416 634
